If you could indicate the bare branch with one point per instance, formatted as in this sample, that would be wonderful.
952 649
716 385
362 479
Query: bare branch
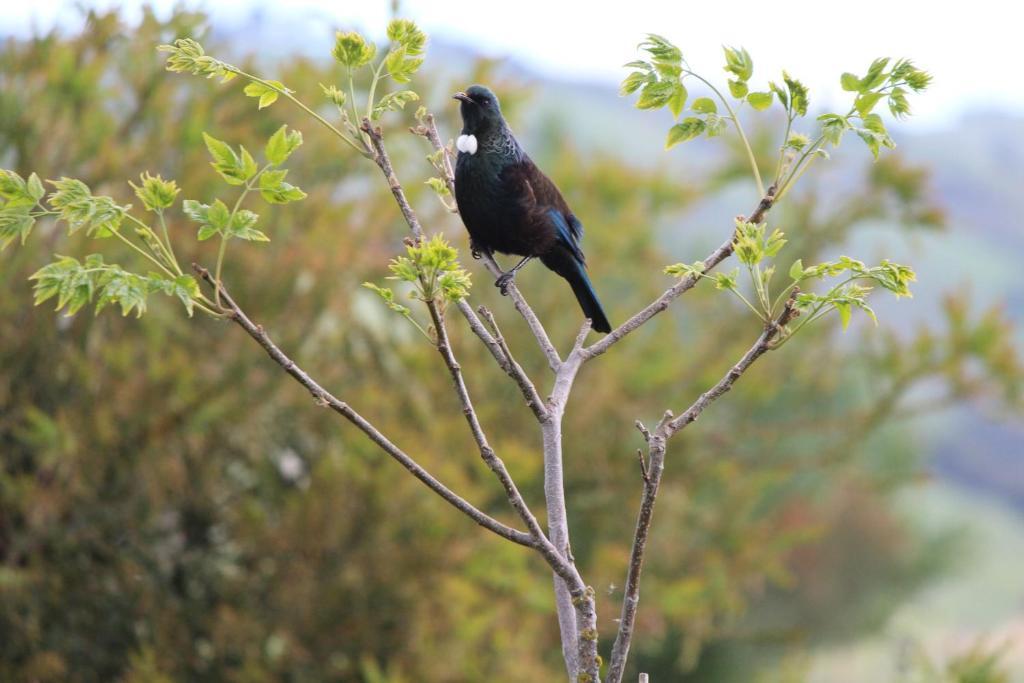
685 284
325 398
501 352
654 468
762 345
383 161
429 131
486 452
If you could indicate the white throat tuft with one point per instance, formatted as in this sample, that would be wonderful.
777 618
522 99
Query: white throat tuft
466 143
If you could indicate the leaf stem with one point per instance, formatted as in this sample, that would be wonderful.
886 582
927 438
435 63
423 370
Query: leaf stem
739 129
284 91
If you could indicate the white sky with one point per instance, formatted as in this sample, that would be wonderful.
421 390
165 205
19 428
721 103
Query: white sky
970 47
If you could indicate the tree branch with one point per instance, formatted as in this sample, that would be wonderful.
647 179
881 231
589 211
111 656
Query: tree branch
325 398
503 355
654 467
685 284
383 161
486 452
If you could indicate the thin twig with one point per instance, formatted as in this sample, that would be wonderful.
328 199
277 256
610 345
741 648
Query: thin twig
654 468
503 355
685 284
325 398
383 161
486 452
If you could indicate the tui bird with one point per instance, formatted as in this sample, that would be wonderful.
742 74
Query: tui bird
510 206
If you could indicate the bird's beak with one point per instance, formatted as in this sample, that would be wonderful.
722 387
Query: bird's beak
462 97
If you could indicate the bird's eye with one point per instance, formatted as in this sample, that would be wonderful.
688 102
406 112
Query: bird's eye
485 101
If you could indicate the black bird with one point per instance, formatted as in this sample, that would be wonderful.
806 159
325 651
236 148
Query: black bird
510 206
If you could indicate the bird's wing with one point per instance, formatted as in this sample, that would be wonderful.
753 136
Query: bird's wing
539 195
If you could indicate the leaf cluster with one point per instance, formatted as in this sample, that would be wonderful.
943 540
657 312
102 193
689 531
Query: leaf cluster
432 268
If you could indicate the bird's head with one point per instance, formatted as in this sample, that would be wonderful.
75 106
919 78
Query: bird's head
480 110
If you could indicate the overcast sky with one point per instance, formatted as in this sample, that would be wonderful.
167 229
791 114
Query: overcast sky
971 47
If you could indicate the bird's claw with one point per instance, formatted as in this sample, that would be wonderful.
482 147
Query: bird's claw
503 282
476 254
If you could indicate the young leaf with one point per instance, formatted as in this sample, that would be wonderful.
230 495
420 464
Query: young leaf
656 95
15 223
677 102
274 190
100 216
850 82
760 100
393 101
687 130
866 102
266 92
234 168
155 192
704 105
352 50
738 89
739 63
281 144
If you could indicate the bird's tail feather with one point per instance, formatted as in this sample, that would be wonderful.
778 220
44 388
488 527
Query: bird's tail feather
585 294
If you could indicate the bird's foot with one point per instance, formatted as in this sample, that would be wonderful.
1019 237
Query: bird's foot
475 253
503 281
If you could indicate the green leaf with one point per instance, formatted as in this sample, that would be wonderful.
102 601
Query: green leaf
75 203
218 215
352 50
686 270
797 141
796 271
677 102
875 75
213 219
439 186
833 126
633 81
156 193
15 224
739 63
408 35
760 100
274 190
335 95
798 99
780 93
727 281
186 55
704 105
843 307
35 189
281 144
400 65
235 169
393 101
738 89
866 102
898 104
241 226
688 129
850 82
266 92
15 190
656 95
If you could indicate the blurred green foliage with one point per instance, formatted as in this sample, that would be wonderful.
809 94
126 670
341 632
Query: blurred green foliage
171 508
